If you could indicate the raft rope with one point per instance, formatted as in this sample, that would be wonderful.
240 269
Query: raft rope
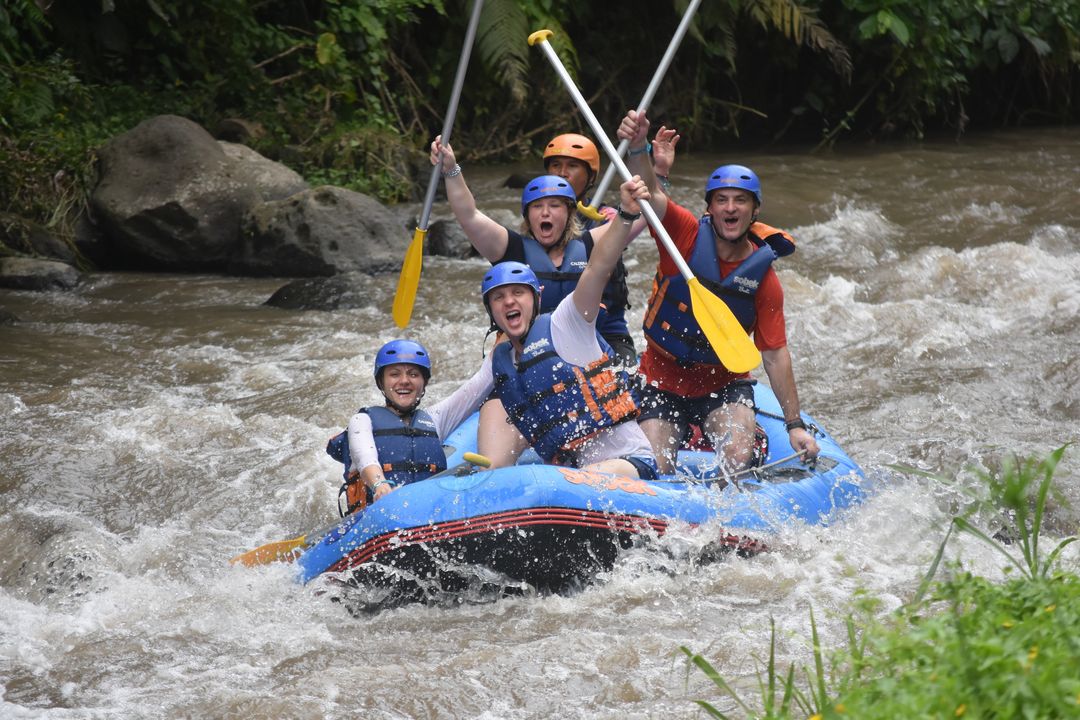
732 478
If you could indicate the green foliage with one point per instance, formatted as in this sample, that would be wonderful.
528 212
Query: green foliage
321 73
963 647
940 57
975 649
22 28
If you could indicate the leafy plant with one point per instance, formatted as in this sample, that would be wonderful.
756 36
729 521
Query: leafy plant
1020 489
962 647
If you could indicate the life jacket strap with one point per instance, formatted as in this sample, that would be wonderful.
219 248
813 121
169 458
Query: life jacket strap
406 431
409 467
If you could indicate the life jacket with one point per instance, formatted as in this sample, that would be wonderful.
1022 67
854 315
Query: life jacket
778 240
558 283
556 405
408 452
669 324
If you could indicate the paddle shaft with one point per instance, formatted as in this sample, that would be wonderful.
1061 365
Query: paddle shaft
613 155
412 265
451 110
646 99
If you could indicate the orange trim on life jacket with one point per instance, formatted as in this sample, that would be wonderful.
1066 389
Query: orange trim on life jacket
600 386
656 297
763 231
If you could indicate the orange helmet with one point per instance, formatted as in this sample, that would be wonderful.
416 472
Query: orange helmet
574 146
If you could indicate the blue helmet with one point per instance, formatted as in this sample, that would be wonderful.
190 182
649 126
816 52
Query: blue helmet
402 351
733 176
509 273
546 186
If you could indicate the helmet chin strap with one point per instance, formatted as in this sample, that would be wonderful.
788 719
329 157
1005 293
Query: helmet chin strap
394 407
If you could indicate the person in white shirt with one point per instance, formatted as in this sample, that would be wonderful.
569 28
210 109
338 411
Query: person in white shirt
398 443
556 378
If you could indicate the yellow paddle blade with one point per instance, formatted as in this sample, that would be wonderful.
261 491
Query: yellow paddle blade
590 212
732 345
409 280
284 550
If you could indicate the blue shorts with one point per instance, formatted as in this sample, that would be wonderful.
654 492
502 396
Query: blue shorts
644 464
668 406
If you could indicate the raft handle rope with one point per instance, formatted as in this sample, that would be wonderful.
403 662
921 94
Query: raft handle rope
732 478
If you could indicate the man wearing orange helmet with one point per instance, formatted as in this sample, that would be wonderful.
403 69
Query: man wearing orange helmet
575 158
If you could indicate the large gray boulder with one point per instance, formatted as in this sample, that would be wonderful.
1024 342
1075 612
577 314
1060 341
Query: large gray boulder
322 231
171 197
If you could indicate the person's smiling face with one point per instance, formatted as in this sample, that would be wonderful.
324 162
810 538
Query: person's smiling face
732 211
512 309
403 385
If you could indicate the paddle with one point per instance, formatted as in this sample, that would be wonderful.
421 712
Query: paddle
289 550
591 210
732 345
409 280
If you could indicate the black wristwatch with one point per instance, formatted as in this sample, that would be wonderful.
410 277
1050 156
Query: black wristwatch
629 217
796 423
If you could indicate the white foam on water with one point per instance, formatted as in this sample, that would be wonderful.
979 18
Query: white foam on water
993 214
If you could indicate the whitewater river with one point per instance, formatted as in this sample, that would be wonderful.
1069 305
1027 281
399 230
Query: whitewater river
153 426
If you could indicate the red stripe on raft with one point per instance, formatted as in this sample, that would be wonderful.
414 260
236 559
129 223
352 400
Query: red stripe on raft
495 522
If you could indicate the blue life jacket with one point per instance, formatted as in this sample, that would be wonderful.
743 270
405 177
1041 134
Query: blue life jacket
669 323
558 283
556 405
408 453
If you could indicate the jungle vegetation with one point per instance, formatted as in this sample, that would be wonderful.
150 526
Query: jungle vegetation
350 92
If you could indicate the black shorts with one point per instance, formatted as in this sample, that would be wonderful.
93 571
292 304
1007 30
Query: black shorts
664 405
623 345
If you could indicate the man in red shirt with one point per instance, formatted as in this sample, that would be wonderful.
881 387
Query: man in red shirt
731 254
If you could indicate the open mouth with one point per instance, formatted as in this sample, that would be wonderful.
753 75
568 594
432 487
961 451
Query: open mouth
546 227
512 315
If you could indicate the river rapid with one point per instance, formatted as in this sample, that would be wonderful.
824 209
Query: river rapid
153 426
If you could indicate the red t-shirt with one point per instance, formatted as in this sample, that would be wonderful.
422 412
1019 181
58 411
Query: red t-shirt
768 329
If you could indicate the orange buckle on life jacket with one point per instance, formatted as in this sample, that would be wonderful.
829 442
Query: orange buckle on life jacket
355 493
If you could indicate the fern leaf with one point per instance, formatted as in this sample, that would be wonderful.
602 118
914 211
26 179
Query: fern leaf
801 25
501 40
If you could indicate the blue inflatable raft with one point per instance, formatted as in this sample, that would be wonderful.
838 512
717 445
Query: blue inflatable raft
553 528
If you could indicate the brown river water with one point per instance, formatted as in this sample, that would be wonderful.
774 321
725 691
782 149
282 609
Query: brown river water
152 426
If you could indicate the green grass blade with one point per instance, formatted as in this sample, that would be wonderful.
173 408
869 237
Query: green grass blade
967 527
924 586
711 673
